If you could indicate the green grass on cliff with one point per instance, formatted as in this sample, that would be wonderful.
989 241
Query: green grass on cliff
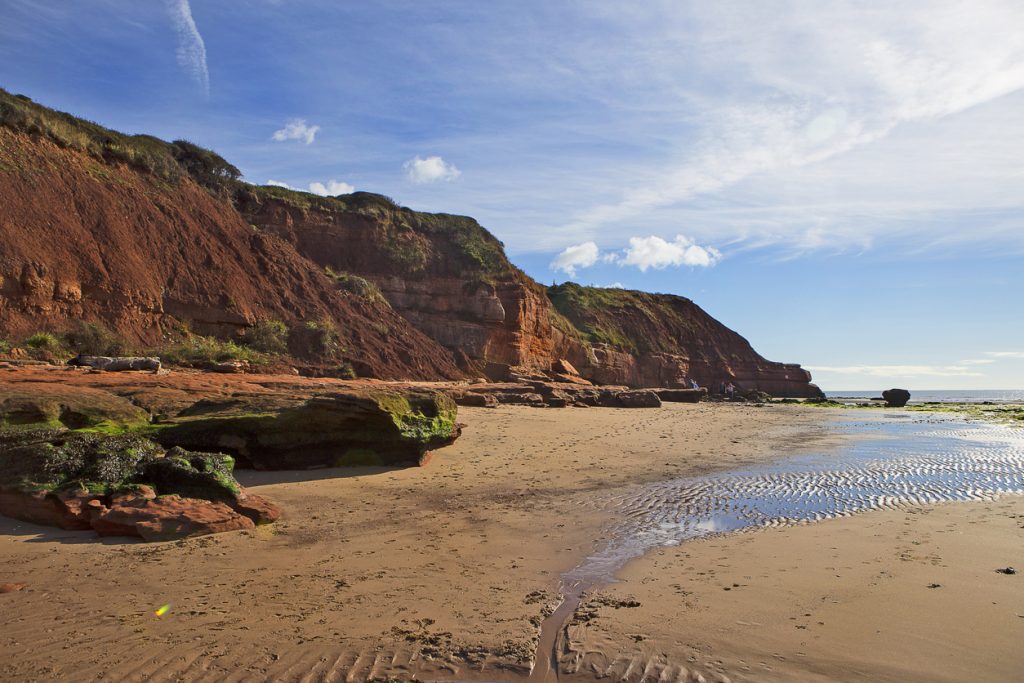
166 160
628 320
414 242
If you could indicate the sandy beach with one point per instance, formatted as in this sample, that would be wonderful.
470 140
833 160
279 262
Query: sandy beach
446 571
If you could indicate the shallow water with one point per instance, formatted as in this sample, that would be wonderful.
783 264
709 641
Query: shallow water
895 462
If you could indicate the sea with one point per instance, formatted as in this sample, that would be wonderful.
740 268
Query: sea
944 396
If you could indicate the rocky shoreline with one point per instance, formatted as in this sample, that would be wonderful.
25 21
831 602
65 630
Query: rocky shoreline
152 455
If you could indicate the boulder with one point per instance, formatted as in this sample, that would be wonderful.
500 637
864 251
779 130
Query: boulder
257 508
110 484
365 426
476 400
682 395
896 398
193 475
115 364
229 367
166 518
564 367
638 399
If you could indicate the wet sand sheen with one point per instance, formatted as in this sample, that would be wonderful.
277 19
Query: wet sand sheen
903 463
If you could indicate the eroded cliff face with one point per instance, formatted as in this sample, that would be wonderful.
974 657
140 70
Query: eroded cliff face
450 278
142 235
643 339
444 274
85 239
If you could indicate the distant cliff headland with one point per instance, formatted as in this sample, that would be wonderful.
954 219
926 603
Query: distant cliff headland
116 242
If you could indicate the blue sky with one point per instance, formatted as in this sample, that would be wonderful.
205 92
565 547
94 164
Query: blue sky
839 182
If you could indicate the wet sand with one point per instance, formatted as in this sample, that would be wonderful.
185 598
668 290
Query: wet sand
447 571
881 596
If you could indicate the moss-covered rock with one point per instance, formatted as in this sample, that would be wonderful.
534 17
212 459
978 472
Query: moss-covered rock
38 404
358 427
109 483
51 459
193 475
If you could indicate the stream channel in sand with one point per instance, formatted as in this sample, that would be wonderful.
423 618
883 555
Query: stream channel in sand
899 461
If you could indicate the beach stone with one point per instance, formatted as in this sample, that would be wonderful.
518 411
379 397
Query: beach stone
257 508
115 364
682 395
564 367
896 398
476 400
638 399
167 518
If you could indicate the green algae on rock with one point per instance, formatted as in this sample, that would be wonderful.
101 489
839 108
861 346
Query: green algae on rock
110 483
358 427
39 404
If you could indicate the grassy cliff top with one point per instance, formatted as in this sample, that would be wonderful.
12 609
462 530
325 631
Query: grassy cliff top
458 243
166 160
629 320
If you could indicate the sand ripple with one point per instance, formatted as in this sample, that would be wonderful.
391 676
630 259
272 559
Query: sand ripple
905 464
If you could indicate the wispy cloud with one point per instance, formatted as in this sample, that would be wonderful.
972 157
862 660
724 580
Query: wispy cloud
296 129
828 113
976 361
1005 354
191 48
898 371
430 170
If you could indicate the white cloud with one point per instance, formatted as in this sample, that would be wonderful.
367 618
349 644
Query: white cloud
655 252
297 129
333 187
614 285
642 252
191 48
430 170
1005 354
577 256
976 361
898 371
328 189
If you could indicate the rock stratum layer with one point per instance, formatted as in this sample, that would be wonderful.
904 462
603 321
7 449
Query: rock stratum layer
142 235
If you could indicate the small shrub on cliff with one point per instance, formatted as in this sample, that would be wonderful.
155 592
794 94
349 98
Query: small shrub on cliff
359 286
93 339
198 351
314 339
45 346
267 336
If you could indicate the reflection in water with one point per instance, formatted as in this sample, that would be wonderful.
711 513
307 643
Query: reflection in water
905 463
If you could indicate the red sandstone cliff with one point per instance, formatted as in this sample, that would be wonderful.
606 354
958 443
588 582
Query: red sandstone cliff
140 234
